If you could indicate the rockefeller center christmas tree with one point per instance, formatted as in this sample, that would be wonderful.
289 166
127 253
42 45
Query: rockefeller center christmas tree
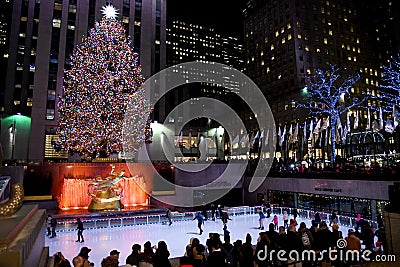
100 90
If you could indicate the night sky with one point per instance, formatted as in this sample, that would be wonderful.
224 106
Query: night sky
223 15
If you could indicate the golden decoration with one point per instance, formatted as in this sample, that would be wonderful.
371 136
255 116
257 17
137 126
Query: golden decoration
15 201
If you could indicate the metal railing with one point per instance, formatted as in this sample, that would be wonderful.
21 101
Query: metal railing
133 220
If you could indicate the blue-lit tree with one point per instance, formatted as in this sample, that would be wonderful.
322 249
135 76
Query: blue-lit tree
391 81
328 93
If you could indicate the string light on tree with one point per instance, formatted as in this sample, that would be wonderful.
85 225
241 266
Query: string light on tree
104 79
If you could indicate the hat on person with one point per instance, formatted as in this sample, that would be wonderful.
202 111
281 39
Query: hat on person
335 227
114 252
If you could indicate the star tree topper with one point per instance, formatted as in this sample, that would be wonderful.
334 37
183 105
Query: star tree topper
109 11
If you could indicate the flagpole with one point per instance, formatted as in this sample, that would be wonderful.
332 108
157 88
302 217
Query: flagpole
13 139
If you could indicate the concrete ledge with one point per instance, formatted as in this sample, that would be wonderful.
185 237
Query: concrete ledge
12 225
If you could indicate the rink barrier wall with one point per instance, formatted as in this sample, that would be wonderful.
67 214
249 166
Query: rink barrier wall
69 224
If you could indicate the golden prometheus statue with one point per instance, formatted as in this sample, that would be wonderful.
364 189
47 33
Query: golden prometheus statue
106 193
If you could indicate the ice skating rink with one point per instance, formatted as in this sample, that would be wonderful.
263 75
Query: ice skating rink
177 236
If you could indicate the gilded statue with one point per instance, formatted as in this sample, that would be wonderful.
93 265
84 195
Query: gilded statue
106 193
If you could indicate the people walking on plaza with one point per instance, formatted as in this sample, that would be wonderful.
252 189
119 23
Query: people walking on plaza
80 230
48 223
169 216
261 219
53 225
275 221
285 219
200 221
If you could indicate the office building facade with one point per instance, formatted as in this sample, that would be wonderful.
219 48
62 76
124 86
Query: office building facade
287 40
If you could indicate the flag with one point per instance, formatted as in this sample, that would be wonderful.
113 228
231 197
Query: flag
290 134
279 135
344 135
243 141
325 125
282 136
180 138
348 121
213 138
380 119
317 128
305 132
261 138
311 129
368 121
339 129
375 126
189 143
255 137
356 121
235 141
395 118
267 137
389 127
295 134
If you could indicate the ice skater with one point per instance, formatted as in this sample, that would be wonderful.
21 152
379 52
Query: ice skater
285 219
275 221
80 230
261 218
225 217
169 216
200 221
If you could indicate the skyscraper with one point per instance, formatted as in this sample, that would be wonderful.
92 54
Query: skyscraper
188 42
44 34
286 40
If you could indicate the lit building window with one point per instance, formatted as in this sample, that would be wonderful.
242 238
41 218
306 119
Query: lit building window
56 23
262 62
318 50
307 48
289 36
282 30
330 32
272 47
299 36
288 26
325 40
276 34
283 40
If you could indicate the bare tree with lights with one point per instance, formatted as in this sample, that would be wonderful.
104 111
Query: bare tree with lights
102 87
391 82
328 93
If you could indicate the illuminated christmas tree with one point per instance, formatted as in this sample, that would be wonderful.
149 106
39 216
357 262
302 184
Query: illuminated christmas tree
101 90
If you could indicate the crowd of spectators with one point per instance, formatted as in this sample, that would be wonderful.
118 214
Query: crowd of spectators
290 239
